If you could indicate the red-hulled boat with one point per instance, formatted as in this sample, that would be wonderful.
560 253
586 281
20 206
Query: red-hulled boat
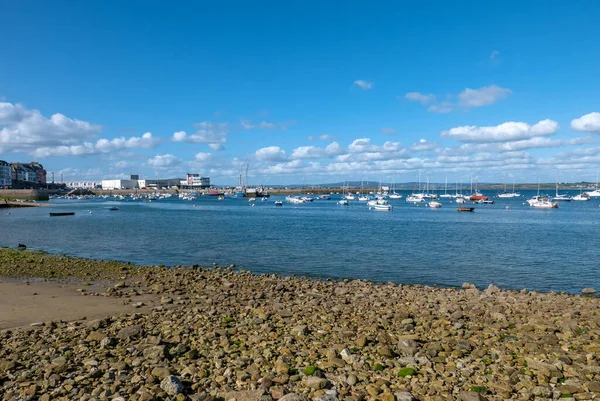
478 196
214 192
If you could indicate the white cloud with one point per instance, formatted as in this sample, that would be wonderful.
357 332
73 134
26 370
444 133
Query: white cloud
247 124
442 108
216 146
361 145
26 130
101 146
587 123
363 84
163 161
509 131
203 156
423 145
313 152
320 138
494 54
109 145
208 133
467 99
270 153
420 97
485 96
388 131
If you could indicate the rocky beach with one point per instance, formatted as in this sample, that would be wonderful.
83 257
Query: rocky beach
219 333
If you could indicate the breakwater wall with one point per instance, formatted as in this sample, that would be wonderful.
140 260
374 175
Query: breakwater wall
24 194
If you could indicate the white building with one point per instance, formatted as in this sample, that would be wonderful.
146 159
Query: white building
119 184
5 174
159 183
84 184
195 181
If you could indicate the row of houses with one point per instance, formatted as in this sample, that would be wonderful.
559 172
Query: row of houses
21 174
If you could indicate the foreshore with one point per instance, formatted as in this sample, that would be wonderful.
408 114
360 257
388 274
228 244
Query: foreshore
218 333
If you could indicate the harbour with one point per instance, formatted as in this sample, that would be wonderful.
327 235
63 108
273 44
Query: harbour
508 243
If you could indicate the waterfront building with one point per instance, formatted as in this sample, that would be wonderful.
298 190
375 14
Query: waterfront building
159 183
119 184
195 181
28 173
5 174
84 184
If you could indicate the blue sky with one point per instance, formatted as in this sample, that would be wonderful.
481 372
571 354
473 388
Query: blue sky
324 90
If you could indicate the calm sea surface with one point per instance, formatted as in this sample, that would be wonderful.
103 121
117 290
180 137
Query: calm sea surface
515 247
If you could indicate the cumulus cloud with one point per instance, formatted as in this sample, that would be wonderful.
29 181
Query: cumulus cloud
363 84
587 123
270 153
216 146
509 131
26 130
420 97
485 96
146 141
203 156
209 132
465 100
313 152
163 161
423 145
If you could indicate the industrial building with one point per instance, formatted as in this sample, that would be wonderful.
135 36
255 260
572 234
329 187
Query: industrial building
134 182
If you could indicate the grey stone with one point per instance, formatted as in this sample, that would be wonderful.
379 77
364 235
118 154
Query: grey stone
171 385
407 347
588 291
156 352
316 383
404 396
293 397
129 332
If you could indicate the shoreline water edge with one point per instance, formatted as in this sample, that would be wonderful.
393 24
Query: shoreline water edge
226 334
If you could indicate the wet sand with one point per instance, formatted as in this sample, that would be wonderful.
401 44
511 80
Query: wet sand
23 303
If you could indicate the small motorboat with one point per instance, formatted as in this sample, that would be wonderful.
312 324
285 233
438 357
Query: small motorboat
251 199
278 203
465 209
57 214
113 208
435 204
484 202
343 202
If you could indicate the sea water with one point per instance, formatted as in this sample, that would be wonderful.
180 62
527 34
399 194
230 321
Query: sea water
509 243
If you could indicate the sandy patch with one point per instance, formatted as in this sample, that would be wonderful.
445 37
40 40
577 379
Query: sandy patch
22 304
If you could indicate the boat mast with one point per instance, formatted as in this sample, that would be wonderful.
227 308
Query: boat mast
247 175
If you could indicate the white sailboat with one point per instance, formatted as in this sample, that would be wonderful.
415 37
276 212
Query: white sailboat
561 197
596 192
446 194
505 194
394 195
362 197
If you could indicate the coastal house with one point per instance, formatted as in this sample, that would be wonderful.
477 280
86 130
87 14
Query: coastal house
5 175
30 173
